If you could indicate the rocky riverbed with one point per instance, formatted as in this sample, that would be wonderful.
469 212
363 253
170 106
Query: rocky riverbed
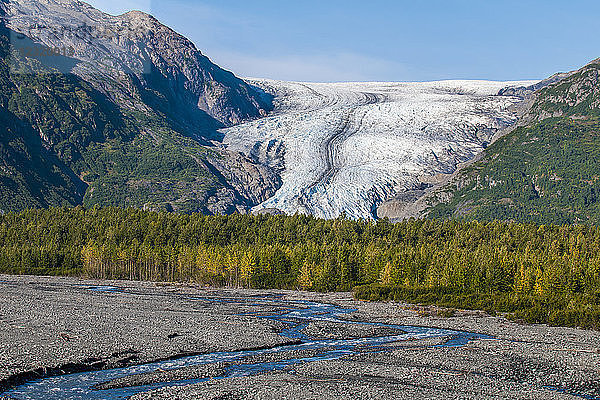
56 326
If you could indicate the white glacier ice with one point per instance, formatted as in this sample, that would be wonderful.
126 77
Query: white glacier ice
348 147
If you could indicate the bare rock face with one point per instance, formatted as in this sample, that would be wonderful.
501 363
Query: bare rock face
137 61
401 206
526 91
576 95
246 183
128 108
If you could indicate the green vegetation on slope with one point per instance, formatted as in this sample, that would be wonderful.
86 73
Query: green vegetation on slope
547 172
538 273
577 95
62 142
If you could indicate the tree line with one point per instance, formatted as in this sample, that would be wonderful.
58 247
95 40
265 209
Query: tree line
539 273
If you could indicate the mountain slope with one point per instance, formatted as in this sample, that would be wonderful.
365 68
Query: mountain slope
123 119
134 57
546 171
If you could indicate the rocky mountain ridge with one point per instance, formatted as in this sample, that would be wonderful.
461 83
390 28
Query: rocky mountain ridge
126 108
129 55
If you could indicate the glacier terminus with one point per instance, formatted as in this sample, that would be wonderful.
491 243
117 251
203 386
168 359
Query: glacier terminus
347 148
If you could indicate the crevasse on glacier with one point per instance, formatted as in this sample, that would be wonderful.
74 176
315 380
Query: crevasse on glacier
348 147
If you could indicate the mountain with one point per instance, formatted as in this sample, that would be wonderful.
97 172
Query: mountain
367 149
118 110
547 170
121 110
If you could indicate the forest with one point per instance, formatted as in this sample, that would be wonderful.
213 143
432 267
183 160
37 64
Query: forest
535 273
544 173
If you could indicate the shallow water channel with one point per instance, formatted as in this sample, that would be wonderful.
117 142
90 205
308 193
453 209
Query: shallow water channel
296 315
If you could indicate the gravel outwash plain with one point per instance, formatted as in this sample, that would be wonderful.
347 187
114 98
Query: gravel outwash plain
58 323
51 326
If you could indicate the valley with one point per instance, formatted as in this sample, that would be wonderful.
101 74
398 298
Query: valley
135 115
170 230
347 148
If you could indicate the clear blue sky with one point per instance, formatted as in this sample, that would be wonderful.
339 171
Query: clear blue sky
384 40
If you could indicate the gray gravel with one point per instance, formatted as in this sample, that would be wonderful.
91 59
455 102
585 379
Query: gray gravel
57 323
330 330
50 322
196 372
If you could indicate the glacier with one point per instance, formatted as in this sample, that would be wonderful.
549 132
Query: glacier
346 148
